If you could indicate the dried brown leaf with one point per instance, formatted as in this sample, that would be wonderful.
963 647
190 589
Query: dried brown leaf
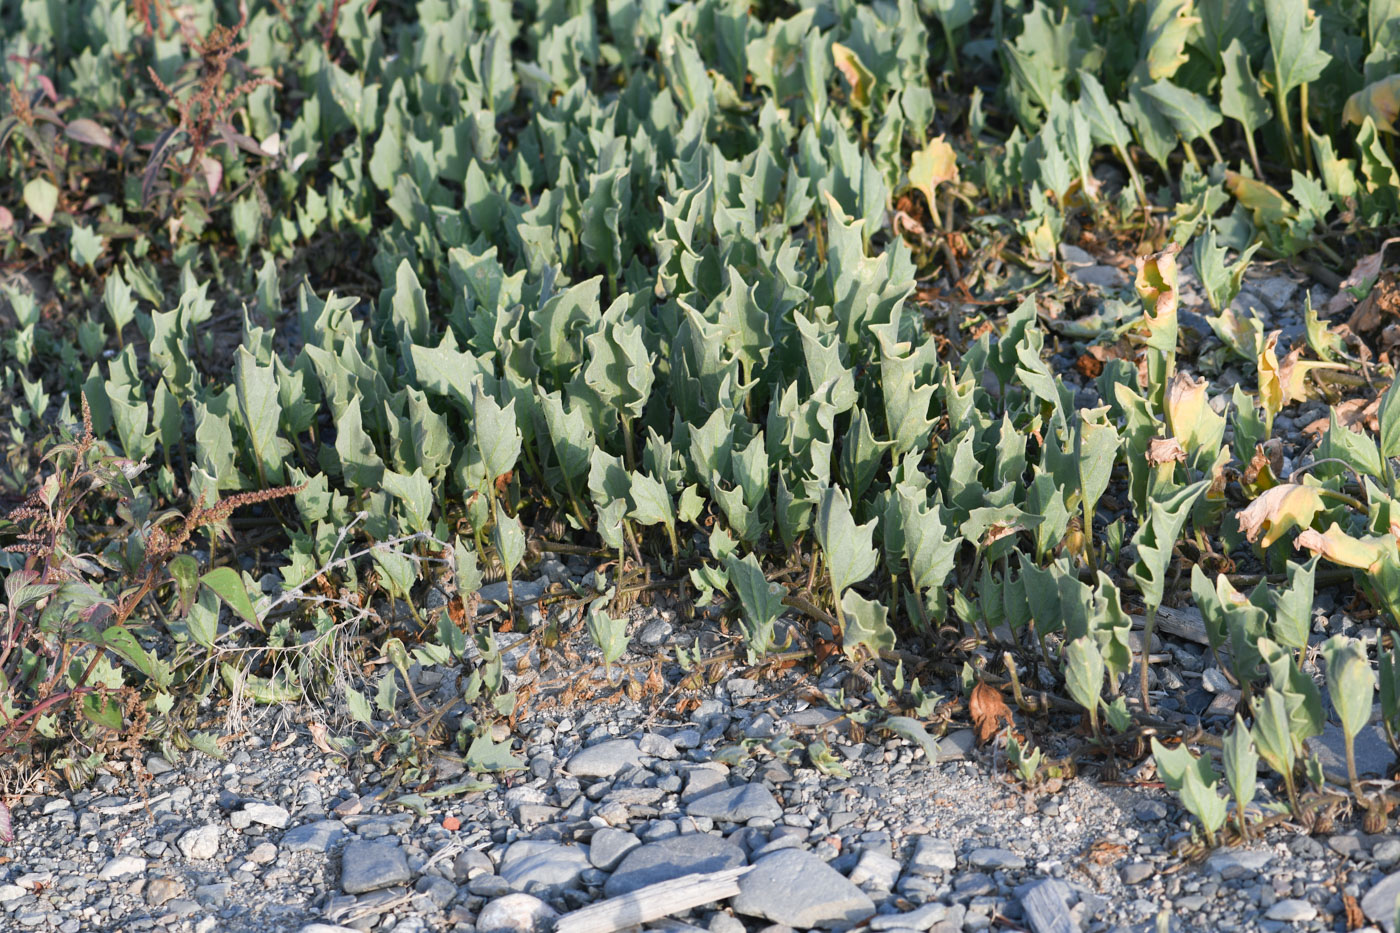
989 712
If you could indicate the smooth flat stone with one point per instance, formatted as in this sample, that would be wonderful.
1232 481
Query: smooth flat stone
515 913
370 866
673 858
320 836
605 759
1379 903
799 890
736 804
530 865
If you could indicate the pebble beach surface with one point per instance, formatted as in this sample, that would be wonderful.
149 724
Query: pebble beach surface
283 837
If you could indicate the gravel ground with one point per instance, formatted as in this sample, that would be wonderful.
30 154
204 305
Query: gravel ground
285 837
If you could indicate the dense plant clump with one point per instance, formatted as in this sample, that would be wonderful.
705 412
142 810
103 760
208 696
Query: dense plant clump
673 281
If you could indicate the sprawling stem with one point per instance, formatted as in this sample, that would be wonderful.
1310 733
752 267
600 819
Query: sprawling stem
1148 626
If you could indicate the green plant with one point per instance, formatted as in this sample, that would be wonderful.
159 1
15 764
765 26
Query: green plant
1195 780
77 660
672 284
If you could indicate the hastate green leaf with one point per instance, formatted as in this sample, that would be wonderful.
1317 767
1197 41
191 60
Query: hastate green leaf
1271 732
486 755
1083 668
1241 98
651 502
1241 762
864 629
359 461
497 436
761 601
509 538
255 388
228 586
1156 539
416 494
619 367
1105 124
609 634
570 433
1292 617
1096 449
929 553
1192 115
408 308
846 546
1350 683
1389 417
1295 43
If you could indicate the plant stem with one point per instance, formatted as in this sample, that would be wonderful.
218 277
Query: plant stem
1253 153
1303 127
1190 154
1214 150
630 451
1282 105
1149 624
952 47
1349 741
1135 178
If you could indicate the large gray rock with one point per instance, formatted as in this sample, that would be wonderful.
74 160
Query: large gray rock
199 843
123 866
515 913
1373 755
1046 906
268 814
1106 278
605 759
534 866
921 919
671 858
736 804
608 846
320 836
1379 903
955 746
1235 863
993 859
932 856
796 888
370 866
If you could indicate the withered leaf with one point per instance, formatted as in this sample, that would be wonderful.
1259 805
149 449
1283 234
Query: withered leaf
989 712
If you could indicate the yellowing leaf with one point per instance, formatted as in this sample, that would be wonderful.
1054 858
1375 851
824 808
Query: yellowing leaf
932 166
1283 383
1169 24
1266 206
1341 548
856 74
1293 374
1189 415
1157 287
1272 394
1379 100
1289 505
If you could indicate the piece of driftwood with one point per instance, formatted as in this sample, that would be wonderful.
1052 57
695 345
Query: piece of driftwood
1183 623
652 902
